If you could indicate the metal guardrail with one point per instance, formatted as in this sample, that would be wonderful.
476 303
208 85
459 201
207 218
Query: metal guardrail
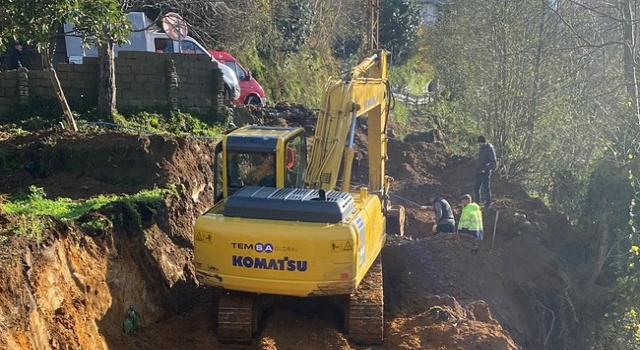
414 100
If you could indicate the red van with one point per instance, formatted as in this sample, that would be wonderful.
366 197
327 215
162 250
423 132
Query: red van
250 90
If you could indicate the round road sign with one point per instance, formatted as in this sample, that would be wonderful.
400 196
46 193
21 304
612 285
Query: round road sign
175 26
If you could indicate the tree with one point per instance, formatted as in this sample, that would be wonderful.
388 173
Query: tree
515 67
294 21
103 23
399 24
555 85
38 22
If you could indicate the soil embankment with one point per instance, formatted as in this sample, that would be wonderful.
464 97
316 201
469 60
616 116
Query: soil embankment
71 290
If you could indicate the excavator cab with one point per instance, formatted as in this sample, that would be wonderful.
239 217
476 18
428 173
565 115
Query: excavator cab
260 156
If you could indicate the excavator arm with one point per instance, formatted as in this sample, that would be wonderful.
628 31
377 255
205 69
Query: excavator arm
364 92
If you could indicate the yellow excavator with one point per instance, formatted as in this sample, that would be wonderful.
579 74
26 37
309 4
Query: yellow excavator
282 226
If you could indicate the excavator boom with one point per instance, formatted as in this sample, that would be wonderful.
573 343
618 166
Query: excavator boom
365 91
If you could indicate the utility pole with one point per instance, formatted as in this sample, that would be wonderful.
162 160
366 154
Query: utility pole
374 24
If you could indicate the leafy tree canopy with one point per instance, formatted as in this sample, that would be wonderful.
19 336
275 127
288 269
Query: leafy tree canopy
36 21
399 24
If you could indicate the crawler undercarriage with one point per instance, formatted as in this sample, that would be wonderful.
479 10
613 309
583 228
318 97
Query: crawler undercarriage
239 313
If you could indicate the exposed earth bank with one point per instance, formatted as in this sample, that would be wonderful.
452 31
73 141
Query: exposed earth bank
71 289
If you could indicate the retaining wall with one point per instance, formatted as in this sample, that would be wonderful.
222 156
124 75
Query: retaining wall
143 79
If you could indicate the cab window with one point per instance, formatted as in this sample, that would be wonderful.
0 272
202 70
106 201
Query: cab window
240 73
295 161
163 45
250 169
189 47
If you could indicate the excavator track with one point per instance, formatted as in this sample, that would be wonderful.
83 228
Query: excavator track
237 317
364 318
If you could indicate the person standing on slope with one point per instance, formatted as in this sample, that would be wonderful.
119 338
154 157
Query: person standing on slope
444 223
484 166
471 218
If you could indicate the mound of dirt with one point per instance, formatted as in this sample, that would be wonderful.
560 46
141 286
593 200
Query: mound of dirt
87 164
440 322
282 114
71 290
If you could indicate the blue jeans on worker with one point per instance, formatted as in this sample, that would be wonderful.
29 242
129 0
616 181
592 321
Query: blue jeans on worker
483 182
445 228
476 233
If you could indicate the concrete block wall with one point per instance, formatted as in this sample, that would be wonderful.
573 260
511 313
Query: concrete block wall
143 79
8 90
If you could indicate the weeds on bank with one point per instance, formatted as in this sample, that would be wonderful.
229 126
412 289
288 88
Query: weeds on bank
174 123
44 113
36 203
96 224
33 209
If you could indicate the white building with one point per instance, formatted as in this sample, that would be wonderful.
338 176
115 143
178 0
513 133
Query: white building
431 10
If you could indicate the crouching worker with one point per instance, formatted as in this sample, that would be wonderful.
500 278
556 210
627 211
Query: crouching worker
445 223
471 218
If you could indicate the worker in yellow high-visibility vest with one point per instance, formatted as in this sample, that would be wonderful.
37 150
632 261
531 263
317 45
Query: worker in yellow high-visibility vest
471 218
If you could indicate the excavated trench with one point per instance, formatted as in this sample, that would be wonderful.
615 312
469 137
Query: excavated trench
72 289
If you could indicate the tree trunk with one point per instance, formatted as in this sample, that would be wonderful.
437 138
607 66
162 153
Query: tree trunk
629 39
57 88
107 80
602 231
66 110
603 248
533 112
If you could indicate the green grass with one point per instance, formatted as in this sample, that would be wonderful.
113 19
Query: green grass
33 210
35 203
174 123
401 114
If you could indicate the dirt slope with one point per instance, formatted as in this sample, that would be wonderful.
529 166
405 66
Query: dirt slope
71 290
530 278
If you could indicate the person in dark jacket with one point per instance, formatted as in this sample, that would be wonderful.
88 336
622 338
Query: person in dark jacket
14 56
444 223
484 166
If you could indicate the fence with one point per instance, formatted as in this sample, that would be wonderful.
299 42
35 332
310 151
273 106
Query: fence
414 100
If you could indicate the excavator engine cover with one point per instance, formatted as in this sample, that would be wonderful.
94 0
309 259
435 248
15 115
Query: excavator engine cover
290 204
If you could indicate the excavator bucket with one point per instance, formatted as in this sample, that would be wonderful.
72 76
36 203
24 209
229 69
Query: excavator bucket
395 220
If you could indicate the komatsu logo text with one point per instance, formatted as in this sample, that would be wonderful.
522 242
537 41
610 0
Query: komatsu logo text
284 264
370 101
